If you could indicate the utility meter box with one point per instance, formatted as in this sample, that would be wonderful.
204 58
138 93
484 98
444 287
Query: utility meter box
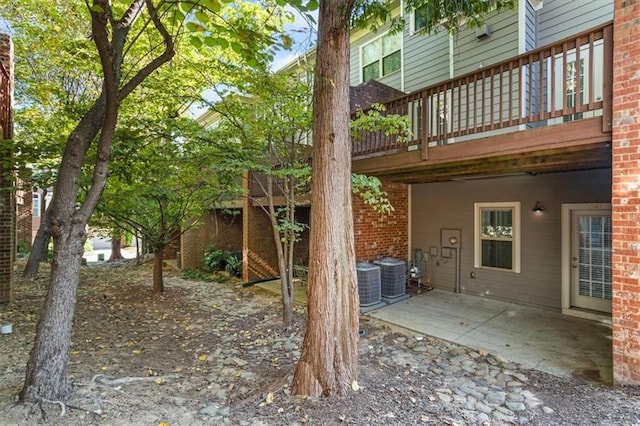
450 238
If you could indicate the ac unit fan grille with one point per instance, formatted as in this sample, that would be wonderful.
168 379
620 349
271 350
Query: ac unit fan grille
393 277
368 284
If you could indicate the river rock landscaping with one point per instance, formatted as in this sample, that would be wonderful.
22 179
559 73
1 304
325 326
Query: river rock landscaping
208 353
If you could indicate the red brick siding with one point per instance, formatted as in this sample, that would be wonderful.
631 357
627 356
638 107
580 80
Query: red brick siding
259 250
7 201
626 193
24 219
380 235
225 231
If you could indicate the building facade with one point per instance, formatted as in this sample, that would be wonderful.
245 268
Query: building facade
521 179
7 200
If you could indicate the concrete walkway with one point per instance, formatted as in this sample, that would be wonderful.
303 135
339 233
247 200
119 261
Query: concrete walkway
538 339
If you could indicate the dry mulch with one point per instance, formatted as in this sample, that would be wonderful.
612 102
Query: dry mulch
212 353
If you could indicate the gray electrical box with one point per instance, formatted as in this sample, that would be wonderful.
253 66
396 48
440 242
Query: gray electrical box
450 238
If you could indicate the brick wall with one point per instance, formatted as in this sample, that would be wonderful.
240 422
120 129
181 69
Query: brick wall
223 230
381 235
259 250
24 218
7 203
626 193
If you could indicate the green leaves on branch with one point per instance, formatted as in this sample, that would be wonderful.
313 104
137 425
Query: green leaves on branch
375 120
438 15
369 189
254 31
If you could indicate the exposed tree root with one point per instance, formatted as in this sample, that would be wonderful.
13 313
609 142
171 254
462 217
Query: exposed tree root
63 407
102 380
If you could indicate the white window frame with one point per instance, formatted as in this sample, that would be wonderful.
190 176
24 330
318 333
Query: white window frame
35 212
516 239
444 23
381 68
412 22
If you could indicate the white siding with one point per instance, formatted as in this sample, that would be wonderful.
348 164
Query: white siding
451 205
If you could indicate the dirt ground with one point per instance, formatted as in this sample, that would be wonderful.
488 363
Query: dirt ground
214 353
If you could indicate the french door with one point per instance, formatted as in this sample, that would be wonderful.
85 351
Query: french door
590 274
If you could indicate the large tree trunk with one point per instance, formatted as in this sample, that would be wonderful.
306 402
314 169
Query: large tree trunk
47 367
329 361
116 247
39 246
46 375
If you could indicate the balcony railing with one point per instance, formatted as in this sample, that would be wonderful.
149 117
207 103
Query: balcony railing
565 81
5 103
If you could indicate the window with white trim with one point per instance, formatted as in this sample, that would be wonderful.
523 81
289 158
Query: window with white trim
381 56
35 205
419 18
497 236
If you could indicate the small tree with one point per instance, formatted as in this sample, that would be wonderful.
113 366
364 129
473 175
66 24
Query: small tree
131 40
158 190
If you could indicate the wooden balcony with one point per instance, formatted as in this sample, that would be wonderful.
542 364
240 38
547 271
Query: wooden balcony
546 110
5 103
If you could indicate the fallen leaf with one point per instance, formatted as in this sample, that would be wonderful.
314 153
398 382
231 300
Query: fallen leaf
137 351
202 357
270 398
355 386
159 381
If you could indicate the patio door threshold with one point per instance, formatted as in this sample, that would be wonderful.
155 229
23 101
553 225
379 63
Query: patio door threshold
587 314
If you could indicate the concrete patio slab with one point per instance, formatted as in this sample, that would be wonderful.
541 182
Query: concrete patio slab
535 338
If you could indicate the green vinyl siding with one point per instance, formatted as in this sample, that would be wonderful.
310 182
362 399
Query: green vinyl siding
471 53
559 19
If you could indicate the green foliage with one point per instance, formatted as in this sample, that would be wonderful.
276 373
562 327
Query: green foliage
440 15
197 275
216 260
369 188
375 120
233 266
22 249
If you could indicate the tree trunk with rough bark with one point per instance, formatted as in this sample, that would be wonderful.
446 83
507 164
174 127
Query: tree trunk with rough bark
329 361
158 261
116 248
39 247
286 276
46 372
47 367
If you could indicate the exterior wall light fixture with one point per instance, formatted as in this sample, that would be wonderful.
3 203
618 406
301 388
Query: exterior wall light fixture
538 208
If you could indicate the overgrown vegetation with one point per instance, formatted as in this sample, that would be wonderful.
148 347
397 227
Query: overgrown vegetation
217 260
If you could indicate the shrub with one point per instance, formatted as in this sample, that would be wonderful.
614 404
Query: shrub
216 260
23 249
233 266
